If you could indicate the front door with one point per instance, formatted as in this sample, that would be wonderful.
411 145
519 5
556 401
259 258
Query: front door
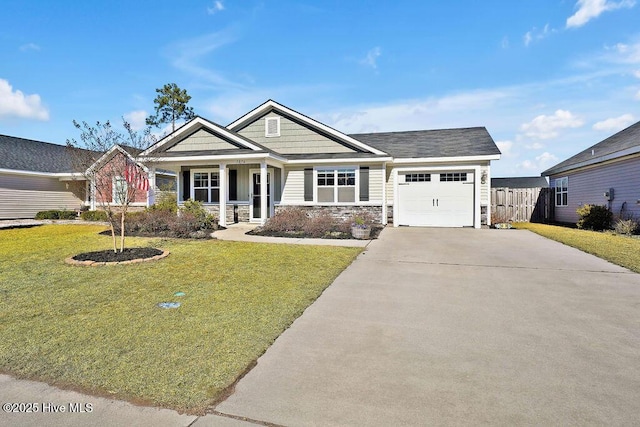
255 196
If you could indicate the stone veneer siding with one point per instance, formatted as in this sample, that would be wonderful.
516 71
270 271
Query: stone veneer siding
341 212
243 212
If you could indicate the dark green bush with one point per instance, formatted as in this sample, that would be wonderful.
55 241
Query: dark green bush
594 217
196 208
56 214
94 216
166 202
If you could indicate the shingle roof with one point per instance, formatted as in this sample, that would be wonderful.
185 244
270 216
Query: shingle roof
432 143
520 182
624 140
36 156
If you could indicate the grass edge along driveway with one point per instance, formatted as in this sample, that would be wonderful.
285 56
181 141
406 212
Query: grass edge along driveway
99 330
617 249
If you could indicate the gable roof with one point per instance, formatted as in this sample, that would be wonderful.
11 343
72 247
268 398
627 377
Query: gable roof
461 142
321 128
520 182
35 156
623 143
160 147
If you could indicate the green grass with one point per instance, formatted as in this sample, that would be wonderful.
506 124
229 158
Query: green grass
618 249
98 329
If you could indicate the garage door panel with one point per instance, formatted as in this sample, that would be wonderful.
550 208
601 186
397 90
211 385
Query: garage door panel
436 204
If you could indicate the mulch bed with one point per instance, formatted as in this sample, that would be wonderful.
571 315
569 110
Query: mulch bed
375 231
128 254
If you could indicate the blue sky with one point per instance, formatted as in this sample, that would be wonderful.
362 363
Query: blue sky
547 78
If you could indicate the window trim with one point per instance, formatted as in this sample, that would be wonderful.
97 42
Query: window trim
266 127
561 190
210 187
356 186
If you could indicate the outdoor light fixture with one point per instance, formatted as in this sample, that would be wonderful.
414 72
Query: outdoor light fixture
483 177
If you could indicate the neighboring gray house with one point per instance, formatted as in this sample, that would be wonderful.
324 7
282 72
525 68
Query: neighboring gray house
274 157
607 173
36 176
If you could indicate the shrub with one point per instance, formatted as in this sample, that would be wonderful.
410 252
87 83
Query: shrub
200 214
94 216
362 219
320 225
166 202
626 226
287 220
594 217
184 225
56 214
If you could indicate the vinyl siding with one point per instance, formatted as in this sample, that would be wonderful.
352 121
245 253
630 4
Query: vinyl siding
484 188
24 196
294 186
202 140
389 184
376 182
293 139
589 186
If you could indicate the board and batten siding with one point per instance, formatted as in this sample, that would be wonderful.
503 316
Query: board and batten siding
202 140
293 139
589 185
24 196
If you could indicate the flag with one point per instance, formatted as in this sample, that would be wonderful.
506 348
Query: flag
135 176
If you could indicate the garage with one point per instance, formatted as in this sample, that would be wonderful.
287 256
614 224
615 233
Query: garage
436 199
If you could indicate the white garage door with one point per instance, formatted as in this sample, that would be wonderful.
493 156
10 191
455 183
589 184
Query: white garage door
441 199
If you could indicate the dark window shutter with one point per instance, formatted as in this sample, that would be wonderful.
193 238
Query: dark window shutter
233 184
308 185
186 182
364 184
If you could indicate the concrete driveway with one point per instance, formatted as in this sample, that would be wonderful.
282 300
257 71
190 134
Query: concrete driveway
457 326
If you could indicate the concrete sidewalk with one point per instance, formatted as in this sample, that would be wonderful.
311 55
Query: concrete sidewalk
237 232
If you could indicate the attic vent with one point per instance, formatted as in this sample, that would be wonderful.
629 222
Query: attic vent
272 126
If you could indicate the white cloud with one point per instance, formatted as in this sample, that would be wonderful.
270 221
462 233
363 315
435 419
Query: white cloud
590 9
546 127
505 42
636 74
29 46
534 146
540 163
536 35
137 119
505 148
218 6
637 97
615 124
371 60
17 104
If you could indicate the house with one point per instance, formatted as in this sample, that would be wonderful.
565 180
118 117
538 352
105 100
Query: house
37 176
274 157
607 173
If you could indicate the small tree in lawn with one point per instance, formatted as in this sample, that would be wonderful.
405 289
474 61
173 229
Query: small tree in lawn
171 105
105 158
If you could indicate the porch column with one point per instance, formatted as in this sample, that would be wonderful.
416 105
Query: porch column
223 194
263 192
151 193
384 194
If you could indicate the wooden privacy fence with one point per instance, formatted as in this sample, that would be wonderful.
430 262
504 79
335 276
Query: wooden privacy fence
521 204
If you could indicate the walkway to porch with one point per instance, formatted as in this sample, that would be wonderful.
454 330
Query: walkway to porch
236 232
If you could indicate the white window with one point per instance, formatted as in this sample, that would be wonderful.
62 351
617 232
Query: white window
562 191
336 185
119 191
206 186
271 126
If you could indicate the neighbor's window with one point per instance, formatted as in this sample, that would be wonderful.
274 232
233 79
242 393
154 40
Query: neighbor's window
119 190
206 187
562 191
336 185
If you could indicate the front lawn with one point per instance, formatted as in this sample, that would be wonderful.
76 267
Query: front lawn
99 329
620 250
